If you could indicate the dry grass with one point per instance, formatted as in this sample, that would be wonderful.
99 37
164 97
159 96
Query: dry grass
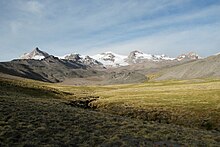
36 114
192 104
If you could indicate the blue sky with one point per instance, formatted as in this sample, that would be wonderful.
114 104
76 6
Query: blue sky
89 27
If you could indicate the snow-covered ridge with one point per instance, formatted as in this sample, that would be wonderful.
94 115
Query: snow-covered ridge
87 60
189 56
110 59
35 54
137 56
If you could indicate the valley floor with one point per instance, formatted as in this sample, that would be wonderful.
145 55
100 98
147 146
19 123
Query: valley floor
34 114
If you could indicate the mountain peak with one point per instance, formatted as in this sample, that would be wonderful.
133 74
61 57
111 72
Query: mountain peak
136 56
188 56
73 56
110 59
87 60
137 52
36 54
37 49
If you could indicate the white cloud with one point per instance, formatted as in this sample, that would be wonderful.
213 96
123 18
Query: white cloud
119 25
203 39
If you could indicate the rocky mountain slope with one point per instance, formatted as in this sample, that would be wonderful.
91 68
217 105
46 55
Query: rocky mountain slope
86 60
49 69
73 66
203 68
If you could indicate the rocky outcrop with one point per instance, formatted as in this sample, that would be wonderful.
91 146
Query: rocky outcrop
188 56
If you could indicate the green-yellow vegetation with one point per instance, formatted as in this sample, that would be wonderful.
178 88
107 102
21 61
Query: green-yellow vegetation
152 76
36 113
192 103
189 103
25 88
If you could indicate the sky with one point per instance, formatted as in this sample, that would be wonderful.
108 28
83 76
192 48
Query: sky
89 27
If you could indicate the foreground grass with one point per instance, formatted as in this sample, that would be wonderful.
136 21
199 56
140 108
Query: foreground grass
38 114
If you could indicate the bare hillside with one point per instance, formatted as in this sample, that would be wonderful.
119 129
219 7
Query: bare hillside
204 68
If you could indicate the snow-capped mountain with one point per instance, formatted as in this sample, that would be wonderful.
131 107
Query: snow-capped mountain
90 61
189 56
138 57
87 60
110 59
73 57
162 57
36 54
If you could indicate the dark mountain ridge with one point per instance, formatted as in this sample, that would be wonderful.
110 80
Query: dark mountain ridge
49 69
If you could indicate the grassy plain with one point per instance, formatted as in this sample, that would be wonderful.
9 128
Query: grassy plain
171 113
187 103
191 103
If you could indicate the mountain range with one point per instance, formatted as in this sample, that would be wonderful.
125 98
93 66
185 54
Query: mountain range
110 68
110 59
